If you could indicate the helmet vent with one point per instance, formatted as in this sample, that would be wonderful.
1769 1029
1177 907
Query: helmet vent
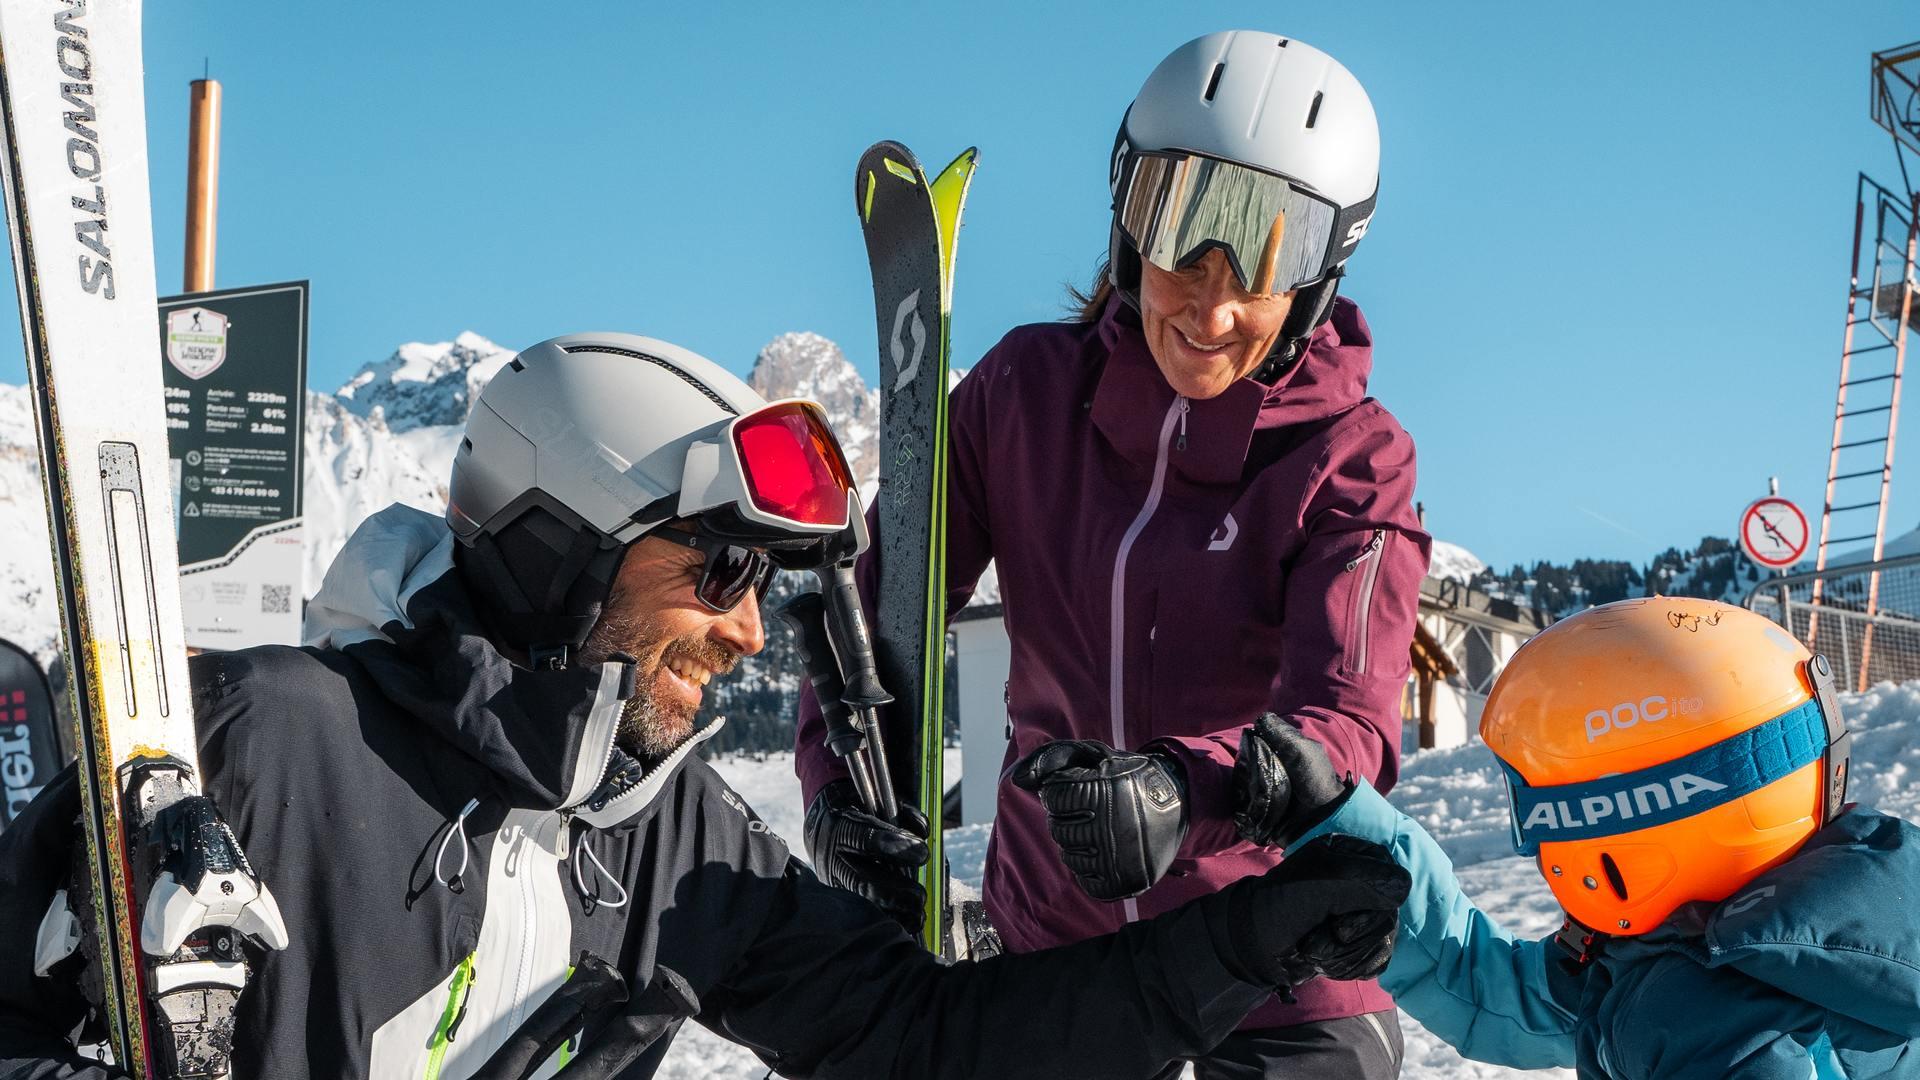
1614 877
673 369
1313 110
1213 81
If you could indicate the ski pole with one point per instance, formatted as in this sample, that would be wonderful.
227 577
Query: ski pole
666 1001
853 647
805 615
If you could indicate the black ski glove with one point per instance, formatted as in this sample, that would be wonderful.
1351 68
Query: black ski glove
1119 817
1283 783
859 852
1331 908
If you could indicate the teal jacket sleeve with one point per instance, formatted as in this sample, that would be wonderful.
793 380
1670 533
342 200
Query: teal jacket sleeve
1454 970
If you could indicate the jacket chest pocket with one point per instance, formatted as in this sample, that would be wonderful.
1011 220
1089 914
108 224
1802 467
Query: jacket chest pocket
1215 644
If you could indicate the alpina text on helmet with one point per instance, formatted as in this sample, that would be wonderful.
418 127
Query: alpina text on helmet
1624 805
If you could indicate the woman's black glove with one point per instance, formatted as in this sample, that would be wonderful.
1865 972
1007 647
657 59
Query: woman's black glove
859 852
1332 908
1119 817
1283 783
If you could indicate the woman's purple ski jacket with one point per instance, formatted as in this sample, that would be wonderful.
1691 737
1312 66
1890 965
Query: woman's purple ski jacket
1169 569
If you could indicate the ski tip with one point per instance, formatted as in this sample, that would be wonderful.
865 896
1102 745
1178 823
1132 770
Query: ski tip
888 149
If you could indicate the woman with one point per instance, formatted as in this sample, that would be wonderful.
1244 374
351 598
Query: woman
1197 516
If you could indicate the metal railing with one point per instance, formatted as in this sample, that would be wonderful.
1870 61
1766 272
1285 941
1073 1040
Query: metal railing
1871 634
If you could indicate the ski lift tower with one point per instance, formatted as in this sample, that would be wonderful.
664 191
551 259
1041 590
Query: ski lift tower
1881 309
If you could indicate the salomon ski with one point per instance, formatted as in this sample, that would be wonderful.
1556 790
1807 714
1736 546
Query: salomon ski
172 896
911 226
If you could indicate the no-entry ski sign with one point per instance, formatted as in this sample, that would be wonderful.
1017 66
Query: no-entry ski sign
1773 532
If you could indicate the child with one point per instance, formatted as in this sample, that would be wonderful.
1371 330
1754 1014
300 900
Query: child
1679 768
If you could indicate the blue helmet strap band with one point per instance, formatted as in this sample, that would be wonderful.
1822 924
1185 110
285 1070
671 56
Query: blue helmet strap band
1712 776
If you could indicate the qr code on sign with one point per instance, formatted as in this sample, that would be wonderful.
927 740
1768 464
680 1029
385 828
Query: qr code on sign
276 599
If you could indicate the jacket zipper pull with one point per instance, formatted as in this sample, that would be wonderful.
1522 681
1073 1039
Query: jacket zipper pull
1182 444
1372 549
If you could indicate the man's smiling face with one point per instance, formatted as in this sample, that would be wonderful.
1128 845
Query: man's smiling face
679 644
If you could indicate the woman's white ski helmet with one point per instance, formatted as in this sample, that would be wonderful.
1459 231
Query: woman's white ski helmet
582 444
1260 146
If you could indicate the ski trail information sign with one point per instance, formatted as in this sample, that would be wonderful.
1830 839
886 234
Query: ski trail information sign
235 365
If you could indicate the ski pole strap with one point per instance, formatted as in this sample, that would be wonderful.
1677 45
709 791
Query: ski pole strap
1712 776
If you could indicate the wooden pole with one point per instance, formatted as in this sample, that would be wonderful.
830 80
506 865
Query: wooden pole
203 184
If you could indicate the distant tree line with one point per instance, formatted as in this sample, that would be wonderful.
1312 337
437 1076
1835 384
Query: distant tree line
1715 569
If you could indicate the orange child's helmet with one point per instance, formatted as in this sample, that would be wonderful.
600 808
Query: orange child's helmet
1661 751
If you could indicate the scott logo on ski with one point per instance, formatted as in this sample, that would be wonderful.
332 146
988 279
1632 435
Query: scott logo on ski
910 307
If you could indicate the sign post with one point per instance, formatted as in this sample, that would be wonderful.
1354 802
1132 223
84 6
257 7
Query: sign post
236 375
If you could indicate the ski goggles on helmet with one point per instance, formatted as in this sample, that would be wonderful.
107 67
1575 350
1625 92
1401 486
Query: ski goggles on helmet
1278 235
730 570
1712 776
778 468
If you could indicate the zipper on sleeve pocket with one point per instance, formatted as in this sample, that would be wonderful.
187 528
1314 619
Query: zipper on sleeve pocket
1367 565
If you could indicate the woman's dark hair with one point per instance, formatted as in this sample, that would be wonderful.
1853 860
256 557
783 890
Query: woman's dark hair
1085 307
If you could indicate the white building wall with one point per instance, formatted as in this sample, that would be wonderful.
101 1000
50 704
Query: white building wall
983 657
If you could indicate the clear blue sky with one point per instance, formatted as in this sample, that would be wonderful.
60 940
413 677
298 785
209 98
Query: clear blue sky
1605 277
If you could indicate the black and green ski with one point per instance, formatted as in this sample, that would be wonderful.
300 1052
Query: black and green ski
911 227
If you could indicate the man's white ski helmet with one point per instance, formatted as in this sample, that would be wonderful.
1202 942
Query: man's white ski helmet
582 444
1260 146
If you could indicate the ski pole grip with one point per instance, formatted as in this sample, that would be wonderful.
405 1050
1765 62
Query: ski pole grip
805 616
847 630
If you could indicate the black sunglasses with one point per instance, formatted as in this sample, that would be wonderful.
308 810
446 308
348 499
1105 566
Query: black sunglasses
730 571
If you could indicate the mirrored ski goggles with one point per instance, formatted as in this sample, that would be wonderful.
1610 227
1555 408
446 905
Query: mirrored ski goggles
730 571
779 466
1277 235
1715 775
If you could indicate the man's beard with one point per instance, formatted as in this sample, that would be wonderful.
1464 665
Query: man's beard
650 728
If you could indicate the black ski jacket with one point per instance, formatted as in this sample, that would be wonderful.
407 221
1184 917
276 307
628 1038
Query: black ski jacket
399 748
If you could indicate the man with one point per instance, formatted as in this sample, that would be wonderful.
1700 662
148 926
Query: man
478 777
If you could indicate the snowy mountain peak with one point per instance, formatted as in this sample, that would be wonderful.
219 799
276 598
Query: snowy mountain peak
425 384
806 365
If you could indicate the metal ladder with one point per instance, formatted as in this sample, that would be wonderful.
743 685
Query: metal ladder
1866 411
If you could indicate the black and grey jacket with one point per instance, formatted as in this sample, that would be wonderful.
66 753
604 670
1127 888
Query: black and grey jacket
399 749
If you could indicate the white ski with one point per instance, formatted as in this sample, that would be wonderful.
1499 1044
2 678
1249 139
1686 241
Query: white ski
75 172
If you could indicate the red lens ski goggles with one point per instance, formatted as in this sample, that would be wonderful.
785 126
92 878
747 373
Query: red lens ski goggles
779 467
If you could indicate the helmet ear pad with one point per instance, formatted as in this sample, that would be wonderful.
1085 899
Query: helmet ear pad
539 582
